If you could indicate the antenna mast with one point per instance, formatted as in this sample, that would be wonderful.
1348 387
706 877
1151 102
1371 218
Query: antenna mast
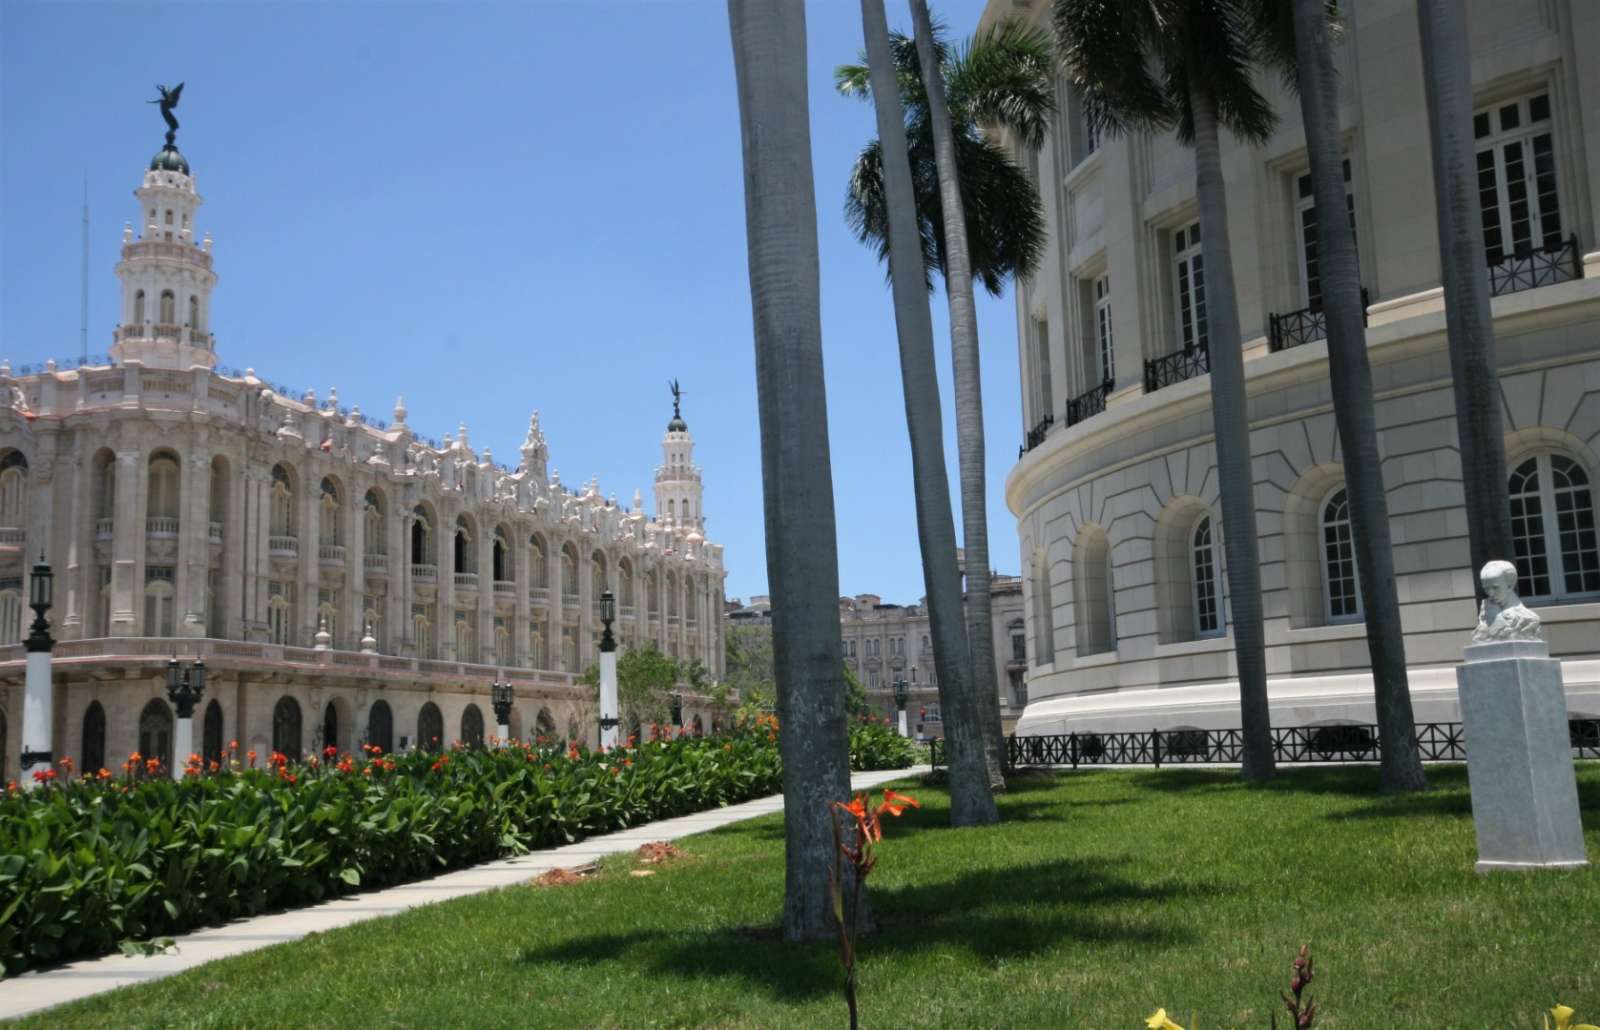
83 292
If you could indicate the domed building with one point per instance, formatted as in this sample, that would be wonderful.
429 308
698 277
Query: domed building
1115 489
344 579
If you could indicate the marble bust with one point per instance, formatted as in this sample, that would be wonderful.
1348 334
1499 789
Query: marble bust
1503 617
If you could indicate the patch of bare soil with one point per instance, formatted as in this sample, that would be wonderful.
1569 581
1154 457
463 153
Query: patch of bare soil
563 877
658 851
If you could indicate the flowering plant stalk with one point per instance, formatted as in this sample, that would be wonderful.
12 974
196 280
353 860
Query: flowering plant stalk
854 847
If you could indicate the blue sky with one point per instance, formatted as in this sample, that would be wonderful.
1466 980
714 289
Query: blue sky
488 208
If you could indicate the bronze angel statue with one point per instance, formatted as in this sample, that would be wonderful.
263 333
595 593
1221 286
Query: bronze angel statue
169 100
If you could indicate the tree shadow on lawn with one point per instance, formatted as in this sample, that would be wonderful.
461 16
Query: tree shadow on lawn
1083 901
935 815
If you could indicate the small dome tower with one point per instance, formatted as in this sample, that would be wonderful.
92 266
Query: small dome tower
678 487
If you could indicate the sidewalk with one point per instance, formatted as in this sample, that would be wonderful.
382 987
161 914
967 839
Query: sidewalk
33 991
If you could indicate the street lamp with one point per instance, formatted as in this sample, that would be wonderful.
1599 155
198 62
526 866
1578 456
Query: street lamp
609 720
900 693
185 684
500 697
37 698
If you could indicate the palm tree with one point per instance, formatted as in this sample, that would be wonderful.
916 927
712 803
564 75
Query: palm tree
1469 326
1202 51
797 483
1002 78
1303 49
971 800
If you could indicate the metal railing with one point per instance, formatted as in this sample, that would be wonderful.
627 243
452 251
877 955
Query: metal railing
1304 326
1291 745
1176 367
1037 434
1090 402
1529 268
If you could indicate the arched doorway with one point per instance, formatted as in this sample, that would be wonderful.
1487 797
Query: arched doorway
286 735
430 728
472 726
330 726
155 732
544 727
94 739
211 736
380 726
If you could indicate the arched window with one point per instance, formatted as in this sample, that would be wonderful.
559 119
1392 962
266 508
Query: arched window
569 573
169 305
162 506
211 734
1206 598
330 725
465 555
155 732
94 739
14 491
699 726
1552 528
286 734
1341 591
466 639
374 539
329 529
380 726
472 726
280 617
544 726
1091 591
138 308
536 647
422 633
625 583
159 605
499 558
11 616
539 562
421 537
283 519
430 728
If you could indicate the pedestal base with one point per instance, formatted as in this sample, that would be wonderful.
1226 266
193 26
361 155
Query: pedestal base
1519 759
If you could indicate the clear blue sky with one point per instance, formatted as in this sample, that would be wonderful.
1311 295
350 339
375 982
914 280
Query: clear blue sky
488 208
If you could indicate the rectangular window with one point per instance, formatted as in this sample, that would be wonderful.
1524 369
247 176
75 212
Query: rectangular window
1189 280
1102 329
1517 189
1306 225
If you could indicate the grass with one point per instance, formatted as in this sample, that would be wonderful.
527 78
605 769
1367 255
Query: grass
1102 896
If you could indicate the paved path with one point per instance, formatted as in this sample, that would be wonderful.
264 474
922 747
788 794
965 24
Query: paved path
33 991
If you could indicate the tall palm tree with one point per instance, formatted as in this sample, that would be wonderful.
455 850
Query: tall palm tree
1202 50
796 476
1299 42
971 799
1001 78
1469 326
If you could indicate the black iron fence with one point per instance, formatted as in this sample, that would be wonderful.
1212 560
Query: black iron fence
1303 326
1036 435
1090 402
1175 367
1528 268
1437 741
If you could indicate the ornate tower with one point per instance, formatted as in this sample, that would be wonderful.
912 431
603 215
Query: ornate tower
166 275
678 489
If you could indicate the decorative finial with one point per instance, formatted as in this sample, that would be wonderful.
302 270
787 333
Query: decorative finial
461 440
333 398
399 411
324 639
638 499
369 643
677 398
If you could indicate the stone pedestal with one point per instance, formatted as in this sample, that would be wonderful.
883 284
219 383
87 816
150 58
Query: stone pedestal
1519 758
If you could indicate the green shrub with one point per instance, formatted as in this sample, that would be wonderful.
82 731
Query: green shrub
87 864
874 744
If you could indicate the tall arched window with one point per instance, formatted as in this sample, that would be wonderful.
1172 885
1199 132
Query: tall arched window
539 562
330 725
94 739
14 491
466 639
1207 597
169 304
430 728
569 573
155 732
1552 528
421 537
537 653
465 555
380 726
286 734
329 530
1341 591
1091 591
138 308
160 603
211 735
500 557
282 502
11 616
472 726
162 500
374 539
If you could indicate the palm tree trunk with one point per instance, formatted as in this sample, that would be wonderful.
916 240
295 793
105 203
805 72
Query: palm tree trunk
971 800
1230 419
1353 409
969 400
1469 325
796 475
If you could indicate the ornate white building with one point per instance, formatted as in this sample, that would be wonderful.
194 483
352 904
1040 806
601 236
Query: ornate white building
1115 491
345 580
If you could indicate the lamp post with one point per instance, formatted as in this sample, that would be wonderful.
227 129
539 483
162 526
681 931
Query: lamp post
186 682
900 703
37 700
501 696
609 715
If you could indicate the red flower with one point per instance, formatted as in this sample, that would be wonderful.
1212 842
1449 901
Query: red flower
330 751
44 775
894 803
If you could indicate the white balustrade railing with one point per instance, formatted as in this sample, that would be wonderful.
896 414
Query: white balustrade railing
467 580
424 572
102 529
216 532
283 546
12 535
330 554
160 525
505 588
376 563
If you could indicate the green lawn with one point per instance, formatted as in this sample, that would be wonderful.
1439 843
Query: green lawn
1102 896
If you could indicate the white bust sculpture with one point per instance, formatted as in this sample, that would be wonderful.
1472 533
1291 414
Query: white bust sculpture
1503 617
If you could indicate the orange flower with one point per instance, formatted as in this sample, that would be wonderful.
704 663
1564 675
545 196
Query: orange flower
104 774
66 763
627 761
251 754
895 803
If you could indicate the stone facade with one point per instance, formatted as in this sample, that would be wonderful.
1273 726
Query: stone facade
1115 491
343 578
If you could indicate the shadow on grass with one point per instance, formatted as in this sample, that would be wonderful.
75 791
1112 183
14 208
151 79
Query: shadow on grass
1083 901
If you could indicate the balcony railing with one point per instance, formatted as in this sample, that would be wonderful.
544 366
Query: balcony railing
569 598
1304 326
215 530
466 581
424 573
283 546
1090 402
1036 435
160 525
625 610
1529 268
12 536
102 529
1176 367
330 554
505 588
376 564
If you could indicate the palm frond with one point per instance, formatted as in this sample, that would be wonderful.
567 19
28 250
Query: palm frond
1003 77
1207 48
1105 47
851 80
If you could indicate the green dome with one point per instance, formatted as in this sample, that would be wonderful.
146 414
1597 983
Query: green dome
169 160
677 425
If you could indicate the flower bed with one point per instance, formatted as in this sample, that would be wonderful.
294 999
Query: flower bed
87 863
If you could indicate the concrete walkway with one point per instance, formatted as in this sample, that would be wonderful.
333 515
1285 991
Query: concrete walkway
31 992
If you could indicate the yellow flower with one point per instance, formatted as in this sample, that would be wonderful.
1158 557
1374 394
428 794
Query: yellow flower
1159 1021
1563 1016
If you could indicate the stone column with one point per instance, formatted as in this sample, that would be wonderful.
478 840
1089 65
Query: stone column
126 541
444 538
78 518
521 621
556 623
310 540
258 543
486 642
397 590
354 513
588 591
194 544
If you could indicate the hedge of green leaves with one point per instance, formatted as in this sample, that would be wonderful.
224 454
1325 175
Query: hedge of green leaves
874 744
